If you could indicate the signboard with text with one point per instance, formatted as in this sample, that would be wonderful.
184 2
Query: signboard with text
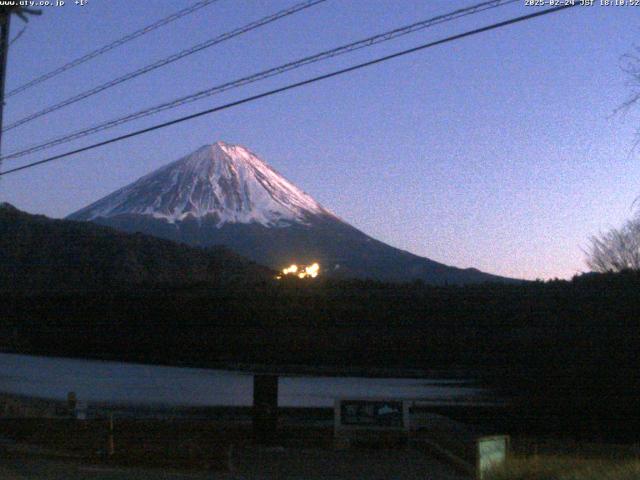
371 414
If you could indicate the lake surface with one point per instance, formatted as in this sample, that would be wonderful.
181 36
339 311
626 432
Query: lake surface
138 384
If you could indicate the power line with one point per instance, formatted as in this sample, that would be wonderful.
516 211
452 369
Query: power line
117 43
6 12
166 61
18 35
292 86
367 42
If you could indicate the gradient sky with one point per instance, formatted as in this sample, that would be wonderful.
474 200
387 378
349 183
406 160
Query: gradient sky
499 151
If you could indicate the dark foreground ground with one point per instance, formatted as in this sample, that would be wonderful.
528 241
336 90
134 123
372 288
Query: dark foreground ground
310 457
249 463
69 450
224 448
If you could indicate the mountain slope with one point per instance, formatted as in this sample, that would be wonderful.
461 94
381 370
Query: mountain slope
38 253
223 194
225 183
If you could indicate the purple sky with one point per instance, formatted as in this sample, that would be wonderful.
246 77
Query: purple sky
498 151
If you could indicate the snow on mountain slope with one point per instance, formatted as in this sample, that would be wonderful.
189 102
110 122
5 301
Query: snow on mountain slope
225 195
223 182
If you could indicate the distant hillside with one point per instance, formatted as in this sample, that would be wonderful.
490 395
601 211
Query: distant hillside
38 253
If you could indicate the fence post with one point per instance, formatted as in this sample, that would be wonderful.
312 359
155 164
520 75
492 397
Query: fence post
110 443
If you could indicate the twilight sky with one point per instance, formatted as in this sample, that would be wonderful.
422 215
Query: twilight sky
499 151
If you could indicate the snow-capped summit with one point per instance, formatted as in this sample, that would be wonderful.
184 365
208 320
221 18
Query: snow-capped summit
223 194
226 183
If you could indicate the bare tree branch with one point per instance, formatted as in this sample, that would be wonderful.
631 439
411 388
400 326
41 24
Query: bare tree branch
630 64
616 250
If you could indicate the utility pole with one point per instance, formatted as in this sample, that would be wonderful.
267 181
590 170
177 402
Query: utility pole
5 23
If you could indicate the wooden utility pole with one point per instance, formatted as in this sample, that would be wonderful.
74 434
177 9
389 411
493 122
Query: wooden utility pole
5 23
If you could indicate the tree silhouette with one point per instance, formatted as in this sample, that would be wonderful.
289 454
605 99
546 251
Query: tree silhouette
616 250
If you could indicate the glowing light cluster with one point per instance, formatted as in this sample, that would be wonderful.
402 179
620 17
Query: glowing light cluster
312 270
301 271
291 269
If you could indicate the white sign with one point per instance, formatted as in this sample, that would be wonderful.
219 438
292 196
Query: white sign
492 452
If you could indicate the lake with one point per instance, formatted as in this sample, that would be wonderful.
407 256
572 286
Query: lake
138 384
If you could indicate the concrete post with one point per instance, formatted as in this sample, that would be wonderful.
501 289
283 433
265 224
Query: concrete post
265 408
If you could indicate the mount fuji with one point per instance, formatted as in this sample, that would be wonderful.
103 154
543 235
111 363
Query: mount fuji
223 194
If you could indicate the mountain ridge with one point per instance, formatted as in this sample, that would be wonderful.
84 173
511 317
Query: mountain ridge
223 194
38 253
